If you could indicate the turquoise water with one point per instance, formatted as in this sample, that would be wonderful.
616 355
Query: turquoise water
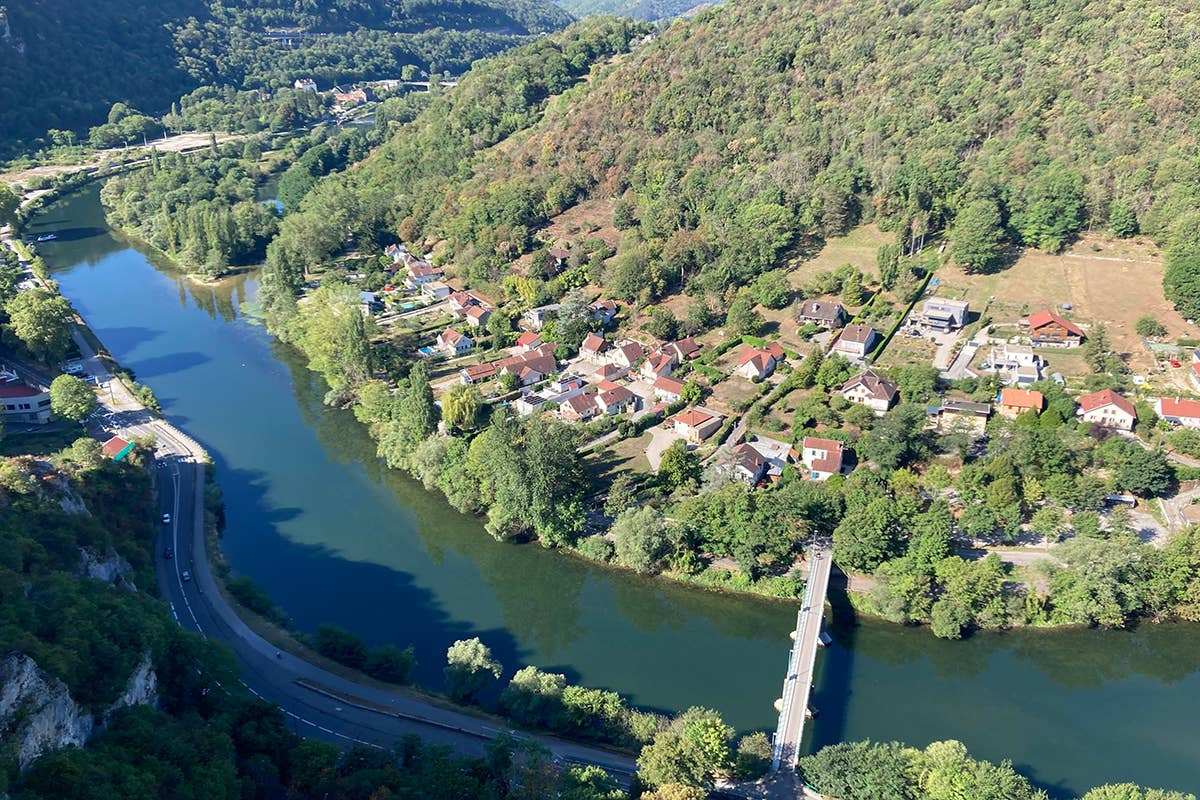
335 538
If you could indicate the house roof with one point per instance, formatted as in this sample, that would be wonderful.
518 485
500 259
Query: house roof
528 338
1103 398
603 305
859 334
477 312
748 458
1045 317
631 350
1021 398
606 385
116 448
1179 407
822 309
877 387
593 343
817 443
966 407
761 359
694 417
422 269
451 336
668 385
659 362
16 389
776 351
558 251
686 348
615 396
580 403
944 304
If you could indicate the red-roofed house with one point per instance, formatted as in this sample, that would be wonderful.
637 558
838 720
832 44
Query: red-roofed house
822 457
579 408
116 448
668 390
593 345
453 343
873 391
683 350
757 363
1048 328
626 355
528 341
1108 409
1012 402
421 273
658 365
478 372
1179 411
744 463
22 402
615 400
477 316
696 424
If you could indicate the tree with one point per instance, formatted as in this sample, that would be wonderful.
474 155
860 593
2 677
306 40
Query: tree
415 418
678 466
9 204
1146 473
771 289
1181 280
72 398
534 697
1096 349
860 771
741 318
888 260
40 319
978 236
1149 326
469 663
639 538
499 325
340 645
897 439
389 663
1122 220
461 405
852 288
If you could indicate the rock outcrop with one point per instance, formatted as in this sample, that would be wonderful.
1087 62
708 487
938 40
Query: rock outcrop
38 711
110 568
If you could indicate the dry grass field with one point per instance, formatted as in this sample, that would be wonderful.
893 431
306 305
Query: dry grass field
1103 280
859 247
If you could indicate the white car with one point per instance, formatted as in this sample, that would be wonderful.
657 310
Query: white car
166 519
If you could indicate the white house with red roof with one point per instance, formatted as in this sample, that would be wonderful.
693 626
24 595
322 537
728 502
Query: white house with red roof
453 343
478 372
856 341
1179 411
822 457
615 399
421 273
667 390
658 365
579 408
743 463
626 354
593 346
527 341
477 316
1108 409
871 390
683 350
696 424
22 402
756 363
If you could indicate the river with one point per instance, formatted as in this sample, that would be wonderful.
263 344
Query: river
335 538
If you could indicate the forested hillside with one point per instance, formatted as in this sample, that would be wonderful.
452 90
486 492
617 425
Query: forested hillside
64 63
649 10
742 132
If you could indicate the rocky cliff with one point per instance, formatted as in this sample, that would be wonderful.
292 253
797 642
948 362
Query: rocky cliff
38 713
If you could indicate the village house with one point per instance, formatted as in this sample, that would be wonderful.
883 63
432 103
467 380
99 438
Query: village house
742 463
658 365
824 313
477 316
420 274
757 363
1108 409
1179 411
579 408
460 302
682 350
696 424
613 399
943 314
563 388
478 372
1050 330
395 252
529 403
603 311
856 341
352 97
559 255
371 303
610 372
23 403
778 454
435 290
822 458
528 341
626 355
1013 402
960 415
116 448
593 346
873 391
535 318
667 390
1017 364
305 85
453 343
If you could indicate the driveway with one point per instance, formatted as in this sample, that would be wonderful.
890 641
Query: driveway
660 439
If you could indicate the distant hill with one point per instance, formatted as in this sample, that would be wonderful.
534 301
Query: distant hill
63 63
649 10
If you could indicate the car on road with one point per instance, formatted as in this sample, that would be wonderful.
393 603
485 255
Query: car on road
185 576
168 553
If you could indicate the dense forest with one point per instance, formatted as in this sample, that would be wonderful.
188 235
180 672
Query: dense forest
649 10
756 127
64 64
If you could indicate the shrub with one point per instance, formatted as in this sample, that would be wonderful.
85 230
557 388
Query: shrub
340 645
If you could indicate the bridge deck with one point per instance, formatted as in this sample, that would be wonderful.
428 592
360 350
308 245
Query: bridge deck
801 661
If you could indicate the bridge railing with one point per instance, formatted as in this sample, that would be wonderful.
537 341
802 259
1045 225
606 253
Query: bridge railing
794 669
